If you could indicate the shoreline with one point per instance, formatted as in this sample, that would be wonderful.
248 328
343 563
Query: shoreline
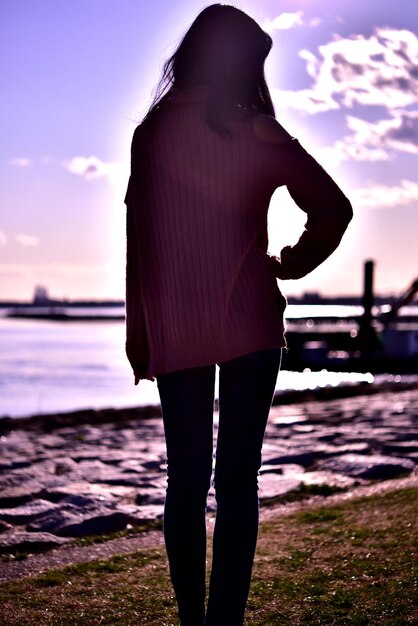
46 422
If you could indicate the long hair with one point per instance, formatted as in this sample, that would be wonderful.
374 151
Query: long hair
225 50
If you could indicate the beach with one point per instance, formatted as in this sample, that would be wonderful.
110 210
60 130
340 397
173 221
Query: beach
69 476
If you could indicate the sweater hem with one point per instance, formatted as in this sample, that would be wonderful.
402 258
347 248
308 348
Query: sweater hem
227 356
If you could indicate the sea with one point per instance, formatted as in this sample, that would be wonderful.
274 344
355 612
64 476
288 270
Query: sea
51 366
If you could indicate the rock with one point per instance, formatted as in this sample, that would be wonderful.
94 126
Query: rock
15 463
95 524
401 447
6 465
373 467
81 454
4 527
150 496
410 435
286 469
104 493
54 520
98 472
273 485
29 542
64 466
304 458
331 479
288 420
21 485
15 496
154 464
131 464
137 515
73 522
346 448
82 502
153 481
52 442
26 512
100 453
115 457
328 436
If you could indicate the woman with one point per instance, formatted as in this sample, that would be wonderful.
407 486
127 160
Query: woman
201 289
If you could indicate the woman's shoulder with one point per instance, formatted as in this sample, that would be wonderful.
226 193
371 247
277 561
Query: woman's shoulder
139 138
138 133
267 129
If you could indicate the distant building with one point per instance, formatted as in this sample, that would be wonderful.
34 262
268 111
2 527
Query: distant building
311 297
40 295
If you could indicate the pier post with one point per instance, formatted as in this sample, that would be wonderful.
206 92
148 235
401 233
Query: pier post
368 295
367 333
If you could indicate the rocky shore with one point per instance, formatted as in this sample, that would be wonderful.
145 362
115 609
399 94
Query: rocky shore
91 473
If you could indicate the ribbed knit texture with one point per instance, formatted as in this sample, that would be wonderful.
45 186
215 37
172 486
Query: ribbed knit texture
201 288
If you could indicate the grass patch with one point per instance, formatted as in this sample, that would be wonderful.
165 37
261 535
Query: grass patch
356 563
349 564
304 492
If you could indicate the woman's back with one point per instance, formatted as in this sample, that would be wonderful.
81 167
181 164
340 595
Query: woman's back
201 218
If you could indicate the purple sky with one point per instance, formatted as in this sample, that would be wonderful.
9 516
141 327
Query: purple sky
77 76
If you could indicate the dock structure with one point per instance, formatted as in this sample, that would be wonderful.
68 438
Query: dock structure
377 343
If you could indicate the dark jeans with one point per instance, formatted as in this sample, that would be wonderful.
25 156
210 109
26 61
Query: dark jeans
246 387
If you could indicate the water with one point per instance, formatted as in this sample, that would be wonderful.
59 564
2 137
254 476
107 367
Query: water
48 367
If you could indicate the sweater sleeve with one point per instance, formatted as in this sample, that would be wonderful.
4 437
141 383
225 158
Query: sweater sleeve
137 349
315 192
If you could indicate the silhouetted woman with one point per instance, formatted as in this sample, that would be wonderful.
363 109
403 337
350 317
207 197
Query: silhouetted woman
202 290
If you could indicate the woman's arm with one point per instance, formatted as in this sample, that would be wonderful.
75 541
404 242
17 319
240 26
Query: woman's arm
329 213
136 336
137 349
314 191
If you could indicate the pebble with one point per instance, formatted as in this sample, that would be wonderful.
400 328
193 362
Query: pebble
80 479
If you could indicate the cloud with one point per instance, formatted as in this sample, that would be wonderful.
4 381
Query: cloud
284 21
382 196
304 100
400 132
20 161
311 62
380 70
27 241
92 168
314 22
3 238
376 141
348 149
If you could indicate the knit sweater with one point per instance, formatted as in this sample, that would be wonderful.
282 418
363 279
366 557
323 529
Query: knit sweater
200 286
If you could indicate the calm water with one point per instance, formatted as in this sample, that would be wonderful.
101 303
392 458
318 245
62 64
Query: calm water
48 366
